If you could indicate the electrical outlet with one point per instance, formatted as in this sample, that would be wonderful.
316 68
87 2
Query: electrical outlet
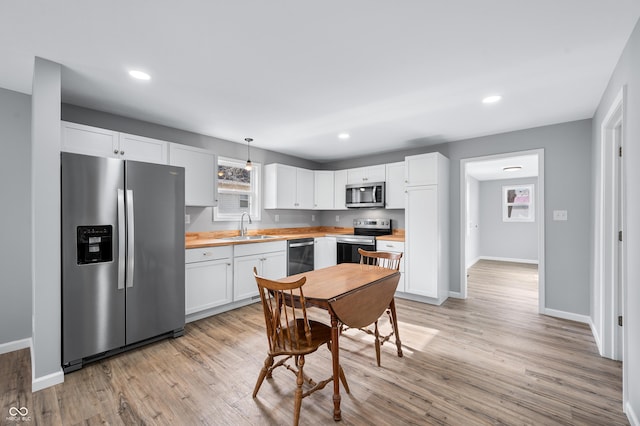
560 215
277 218
187 219
337 218
313 218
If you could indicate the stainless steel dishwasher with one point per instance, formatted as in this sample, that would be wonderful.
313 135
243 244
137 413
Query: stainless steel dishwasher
300 255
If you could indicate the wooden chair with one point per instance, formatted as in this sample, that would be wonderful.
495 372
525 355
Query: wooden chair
291 334
390 261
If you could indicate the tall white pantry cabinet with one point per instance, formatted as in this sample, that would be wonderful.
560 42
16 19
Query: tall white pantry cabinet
427 227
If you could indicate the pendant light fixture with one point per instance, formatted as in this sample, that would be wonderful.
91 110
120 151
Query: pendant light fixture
248 166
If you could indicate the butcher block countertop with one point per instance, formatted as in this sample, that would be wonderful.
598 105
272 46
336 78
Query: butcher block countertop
395 237
216 238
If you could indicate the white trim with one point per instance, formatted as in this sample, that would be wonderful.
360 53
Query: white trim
539 213
49 380
509 259
456 295
568 315
16 345
631 415
596 335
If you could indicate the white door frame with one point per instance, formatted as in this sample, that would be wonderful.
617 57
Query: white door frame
610 275
539 214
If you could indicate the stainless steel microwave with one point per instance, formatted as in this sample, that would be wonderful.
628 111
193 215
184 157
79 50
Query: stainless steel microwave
365 195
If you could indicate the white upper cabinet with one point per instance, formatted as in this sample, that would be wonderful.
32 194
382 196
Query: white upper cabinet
200 173
366 174
323 188
288 187
339 190
139 148
90 140
422 169
394 190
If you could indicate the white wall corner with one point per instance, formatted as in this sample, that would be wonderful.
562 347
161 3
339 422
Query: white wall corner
568 316
16 345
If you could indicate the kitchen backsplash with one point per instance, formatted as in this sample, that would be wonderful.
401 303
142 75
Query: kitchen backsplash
201 218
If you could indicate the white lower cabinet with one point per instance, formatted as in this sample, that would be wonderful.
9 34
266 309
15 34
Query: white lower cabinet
325 252
394 247
208 278
270 259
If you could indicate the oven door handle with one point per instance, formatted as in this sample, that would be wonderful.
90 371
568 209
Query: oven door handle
354 241
294 245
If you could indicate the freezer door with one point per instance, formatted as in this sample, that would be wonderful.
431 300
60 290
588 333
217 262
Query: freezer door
93 297
155 255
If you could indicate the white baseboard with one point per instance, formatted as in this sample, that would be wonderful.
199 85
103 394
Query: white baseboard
473 262
16 345
596 336
631 415
508 259
567 315
455 294
39 383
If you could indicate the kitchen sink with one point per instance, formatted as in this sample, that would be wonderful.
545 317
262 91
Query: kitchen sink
248 237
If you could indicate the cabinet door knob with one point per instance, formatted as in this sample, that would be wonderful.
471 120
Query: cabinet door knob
115 151
121 152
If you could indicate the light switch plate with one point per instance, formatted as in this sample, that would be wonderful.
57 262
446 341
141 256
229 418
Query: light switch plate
277 218
560 215
187 219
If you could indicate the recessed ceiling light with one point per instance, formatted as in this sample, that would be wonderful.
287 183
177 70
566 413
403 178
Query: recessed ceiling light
511 168
491 99
140 75
344 136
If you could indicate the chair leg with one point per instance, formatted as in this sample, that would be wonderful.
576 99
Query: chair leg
263 373
377 334
394 322
343 379
298 398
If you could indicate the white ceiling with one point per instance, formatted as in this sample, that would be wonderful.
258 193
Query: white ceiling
293 74
492 169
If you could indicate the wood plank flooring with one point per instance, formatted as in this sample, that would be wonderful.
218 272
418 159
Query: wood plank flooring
489 359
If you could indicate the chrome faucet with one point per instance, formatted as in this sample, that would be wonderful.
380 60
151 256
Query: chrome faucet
243 230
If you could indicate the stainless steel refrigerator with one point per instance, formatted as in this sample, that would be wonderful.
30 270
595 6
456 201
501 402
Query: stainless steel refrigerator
122 255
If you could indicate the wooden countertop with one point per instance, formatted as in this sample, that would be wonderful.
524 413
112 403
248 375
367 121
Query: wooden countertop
216 238
394 238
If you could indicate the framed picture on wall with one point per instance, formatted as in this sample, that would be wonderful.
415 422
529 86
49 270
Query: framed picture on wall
518 203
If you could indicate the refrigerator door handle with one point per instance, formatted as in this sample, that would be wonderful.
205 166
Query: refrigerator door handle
130 239
121 239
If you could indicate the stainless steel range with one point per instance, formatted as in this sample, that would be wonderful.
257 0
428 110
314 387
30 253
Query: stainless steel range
364 236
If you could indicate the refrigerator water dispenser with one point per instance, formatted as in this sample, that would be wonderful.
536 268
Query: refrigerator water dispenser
95 244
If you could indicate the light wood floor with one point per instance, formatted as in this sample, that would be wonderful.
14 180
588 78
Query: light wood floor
490 359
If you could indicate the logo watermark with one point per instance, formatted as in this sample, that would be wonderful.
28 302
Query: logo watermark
18 414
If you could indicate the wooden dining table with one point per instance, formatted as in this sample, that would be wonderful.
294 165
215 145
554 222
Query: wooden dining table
353 294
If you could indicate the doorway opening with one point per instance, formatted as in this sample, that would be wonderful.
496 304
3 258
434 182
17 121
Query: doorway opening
506 223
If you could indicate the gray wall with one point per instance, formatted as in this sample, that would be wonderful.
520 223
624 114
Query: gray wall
627 73
202 217
15 217
567 156
509 240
